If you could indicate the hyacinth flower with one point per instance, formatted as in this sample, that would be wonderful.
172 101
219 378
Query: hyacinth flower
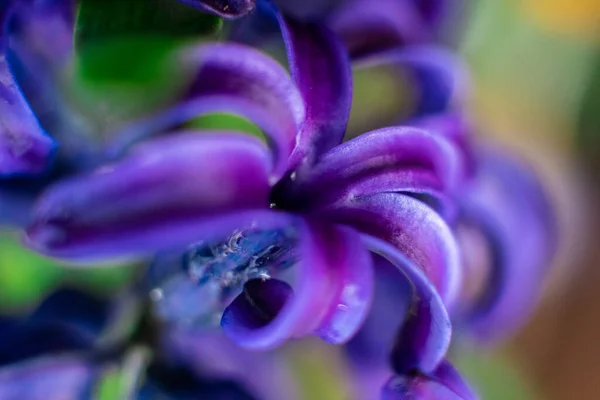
310 208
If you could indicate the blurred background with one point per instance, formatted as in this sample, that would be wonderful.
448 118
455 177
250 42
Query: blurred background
535 67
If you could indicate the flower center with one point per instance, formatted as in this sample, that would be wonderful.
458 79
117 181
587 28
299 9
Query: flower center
192 288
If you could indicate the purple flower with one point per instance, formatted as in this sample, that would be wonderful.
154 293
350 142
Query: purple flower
310 202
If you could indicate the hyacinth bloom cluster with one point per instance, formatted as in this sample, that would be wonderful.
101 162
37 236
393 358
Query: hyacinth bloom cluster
375 241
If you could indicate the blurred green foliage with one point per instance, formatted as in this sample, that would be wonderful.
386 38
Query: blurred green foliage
25 277
495 376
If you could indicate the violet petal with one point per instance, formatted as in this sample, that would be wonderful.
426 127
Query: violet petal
24 146
398 159
445 383
413 228
456 128
143 201
331 296
424 337
230 78
508 203
321 69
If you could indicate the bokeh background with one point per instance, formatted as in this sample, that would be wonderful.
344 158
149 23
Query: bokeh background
535 68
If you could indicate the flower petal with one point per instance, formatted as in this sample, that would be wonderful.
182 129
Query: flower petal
445 383
424 337
321 69
439 77
224 8
398 159
230 78
62 377
413 228
456 128
369 27
141 204
511 208
331 297
39 51
24 146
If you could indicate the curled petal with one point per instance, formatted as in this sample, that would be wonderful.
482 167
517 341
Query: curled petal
445 383
439 77
224 8
331 298
321 69
141 204
424 337
386 160
513 212
457 129
369 27
24 146
61 377
412 227
230 78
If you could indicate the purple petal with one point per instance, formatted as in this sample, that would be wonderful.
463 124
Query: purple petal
331 297
439 77
424 338
456 128
147 200
39 52
223 8
24 146
231 78
321 69
62 377
413 228
445 383
511 208
369 27
386 160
